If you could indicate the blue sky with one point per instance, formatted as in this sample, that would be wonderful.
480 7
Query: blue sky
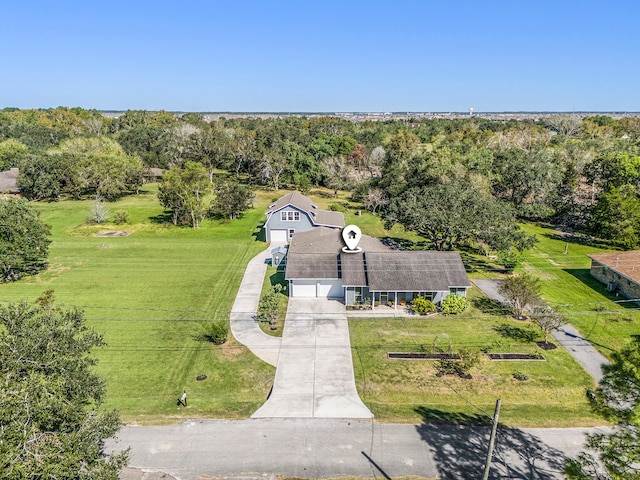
307 55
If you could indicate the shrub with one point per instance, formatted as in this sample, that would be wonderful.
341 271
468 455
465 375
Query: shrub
454 304
521 377
99 212
422 306
121 217
335 207
468 360
216 332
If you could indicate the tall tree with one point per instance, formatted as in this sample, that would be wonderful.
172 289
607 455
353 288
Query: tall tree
51 424
618 400
450 214
231 199
186 191
521 292
24 246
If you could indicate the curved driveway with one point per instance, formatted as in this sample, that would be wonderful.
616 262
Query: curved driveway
244 326
314 375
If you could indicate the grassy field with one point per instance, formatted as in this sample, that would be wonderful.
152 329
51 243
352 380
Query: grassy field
148 294
410 391
606 320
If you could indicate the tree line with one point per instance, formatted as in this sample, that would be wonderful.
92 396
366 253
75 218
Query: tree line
454 181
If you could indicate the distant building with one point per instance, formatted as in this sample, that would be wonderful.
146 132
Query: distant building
9 182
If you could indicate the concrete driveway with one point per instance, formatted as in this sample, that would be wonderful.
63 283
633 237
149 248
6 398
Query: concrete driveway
244 326
314 376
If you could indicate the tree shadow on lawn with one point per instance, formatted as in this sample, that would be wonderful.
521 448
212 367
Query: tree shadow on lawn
513 332
278 279
260 234
491 306
164 217
585 277
460 451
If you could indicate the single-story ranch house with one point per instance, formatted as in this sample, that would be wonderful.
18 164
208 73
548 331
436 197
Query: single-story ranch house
619 271
296 213
319 266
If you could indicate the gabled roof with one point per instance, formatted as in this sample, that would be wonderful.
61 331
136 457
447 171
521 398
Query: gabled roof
317 216
424 271
318 254
625 263
9 181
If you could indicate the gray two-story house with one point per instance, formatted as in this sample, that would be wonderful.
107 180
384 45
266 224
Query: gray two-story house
296 213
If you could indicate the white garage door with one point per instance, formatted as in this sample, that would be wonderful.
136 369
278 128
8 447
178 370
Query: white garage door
330 288
303 288
279 236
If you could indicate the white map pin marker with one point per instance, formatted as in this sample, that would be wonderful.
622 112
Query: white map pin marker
351 235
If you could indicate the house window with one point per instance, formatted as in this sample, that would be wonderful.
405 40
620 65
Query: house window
290 216
291 232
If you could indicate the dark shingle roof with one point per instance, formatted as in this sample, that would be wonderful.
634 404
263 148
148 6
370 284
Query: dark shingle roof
424 271
318 253
318 217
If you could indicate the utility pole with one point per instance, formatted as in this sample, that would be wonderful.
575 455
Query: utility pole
492 441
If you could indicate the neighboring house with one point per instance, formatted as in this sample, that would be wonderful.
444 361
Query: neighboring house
9 181
296 213
318 266
619 271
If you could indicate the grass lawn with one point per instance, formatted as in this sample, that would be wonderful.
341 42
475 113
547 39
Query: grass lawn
606 320
272 277
410 391
148 294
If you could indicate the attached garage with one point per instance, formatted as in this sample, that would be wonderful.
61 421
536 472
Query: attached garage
278 236
317 288
330 289
303 288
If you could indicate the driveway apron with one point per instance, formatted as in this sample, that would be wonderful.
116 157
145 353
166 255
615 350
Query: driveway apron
244 326
314 376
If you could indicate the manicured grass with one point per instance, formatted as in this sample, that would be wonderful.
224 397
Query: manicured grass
148 293
275 276
410 391
606 320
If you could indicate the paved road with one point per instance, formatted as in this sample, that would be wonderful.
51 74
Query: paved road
244 327
314 376
317 448
567 336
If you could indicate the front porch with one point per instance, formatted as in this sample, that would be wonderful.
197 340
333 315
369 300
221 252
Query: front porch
361 298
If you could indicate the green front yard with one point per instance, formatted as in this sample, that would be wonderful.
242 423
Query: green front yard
410 391
149 292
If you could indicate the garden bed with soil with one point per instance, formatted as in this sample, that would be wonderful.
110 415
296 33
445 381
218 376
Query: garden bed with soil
422 356
515 356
